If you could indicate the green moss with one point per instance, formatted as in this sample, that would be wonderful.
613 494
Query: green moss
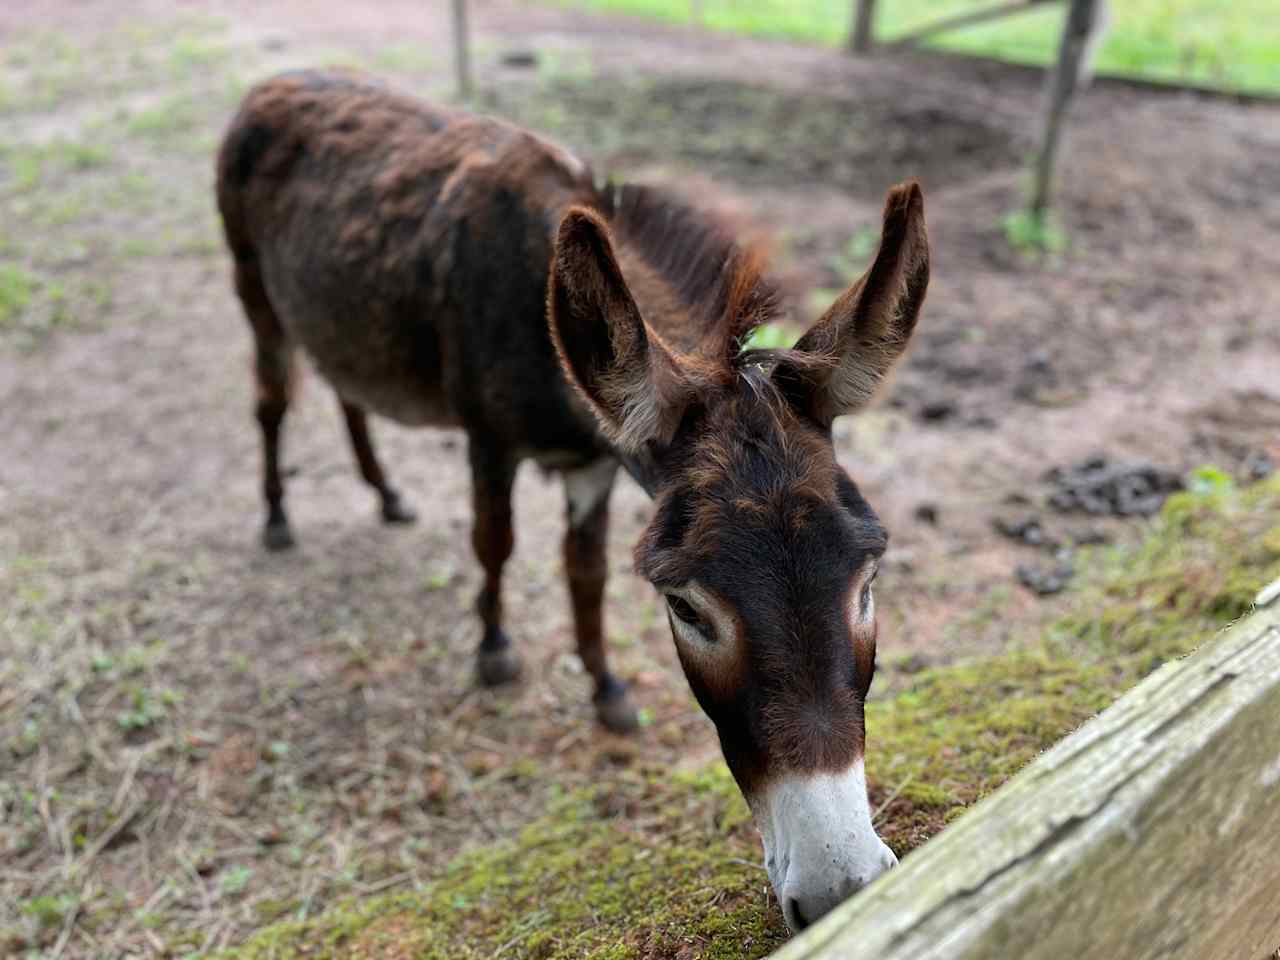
663 865
958 732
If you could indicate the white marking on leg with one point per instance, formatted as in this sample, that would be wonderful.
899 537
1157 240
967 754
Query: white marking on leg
585 487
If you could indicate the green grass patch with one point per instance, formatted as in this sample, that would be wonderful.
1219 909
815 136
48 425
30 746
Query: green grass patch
406 58
173 116
24 167
16 289
1233 44
194 54
1034 235
655 865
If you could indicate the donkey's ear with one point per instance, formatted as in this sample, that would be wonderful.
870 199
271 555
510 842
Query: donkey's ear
868 327
621 368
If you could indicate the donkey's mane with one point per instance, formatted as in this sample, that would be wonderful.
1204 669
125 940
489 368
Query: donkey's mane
696 252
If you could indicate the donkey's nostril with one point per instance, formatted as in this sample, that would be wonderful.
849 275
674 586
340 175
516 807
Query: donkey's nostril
795 918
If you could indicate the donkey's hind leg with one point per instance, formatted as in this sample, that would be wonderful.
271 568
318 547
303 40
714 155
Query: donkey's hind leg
394 509
274 372
492 475
586 568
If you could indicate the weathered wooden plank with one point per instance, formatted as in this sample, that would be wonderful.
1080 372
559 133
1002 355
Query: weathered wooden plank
1153 831
967 19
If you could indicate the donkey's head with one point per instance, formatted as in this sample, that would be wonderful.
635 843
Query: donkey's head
761 544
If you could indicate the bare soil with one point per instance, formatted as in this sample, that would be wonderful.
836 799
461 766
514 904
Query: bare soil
197 737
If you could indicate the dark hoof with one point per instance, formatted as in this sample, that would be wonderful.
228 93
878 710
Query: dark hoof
395 510
496 667
277 537
616 711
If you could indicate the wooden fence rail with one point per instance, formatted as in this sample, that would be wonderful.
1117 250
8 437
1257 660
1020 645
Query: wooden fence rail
1153 831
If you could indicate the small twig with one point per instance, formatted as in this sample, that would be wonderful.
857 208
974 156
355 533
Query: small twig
72 708
42 796
386 883
110 834
212 935
69 922
467 785
126 782
875 817
748 863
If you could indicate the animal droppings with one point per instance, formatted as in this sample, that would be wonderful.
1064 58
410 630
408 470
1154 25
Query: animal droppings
1100 487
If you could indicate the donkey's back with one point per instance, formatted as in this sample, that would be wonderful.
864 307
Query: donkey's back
404 246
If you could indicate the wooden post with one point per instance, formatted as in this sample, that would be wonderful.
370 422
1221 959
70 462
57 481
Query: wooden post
863 32
1077 33
1151 833
461 49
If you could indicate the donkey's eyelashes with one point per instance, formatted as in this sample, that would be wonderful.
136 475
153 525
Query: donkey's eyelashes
705 628
683 611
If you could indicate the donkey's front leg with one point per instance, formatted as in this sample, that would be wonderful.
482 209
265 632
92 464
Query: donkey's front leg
586 568
492 474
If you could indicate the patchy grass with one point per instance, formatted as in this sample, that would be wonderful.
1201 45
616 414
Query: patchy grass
118 177
1032 235
661 867
174 116
406 58
1227 43
16 287
25 167
193 53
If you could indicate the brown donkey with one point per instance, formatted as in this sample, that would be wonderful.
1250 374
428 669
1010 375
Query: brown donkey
453 270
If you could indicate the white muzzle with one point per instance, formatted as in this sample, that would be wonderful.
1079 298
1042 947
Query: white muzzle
819 845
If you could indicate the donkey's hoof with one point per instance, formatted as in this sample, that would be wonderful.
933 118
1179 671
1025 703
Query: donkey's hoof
616 711
496 667
277 536
395 510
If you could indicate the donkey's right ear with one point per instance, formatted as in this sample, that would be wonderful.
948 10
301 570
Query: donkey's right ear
621 368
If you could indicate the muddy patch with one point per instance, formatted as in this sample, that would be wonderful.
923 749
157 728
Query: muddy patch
758 135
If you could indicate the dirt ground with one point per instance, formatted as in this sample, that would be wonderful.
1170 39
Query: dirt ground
197 738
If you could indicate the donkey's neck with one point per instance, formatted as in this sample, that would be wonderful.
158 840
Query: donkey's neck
695 286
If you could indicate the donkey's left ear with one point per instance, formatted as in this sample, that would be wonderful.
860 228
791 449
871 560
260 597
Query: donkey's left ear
868 327
626 374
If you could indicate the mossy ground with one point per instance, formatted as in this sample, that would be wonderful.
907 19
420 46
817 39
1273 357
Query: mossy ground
660 866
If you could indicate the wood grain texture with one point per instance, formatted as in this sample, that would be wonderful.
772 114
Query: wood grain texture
1153 831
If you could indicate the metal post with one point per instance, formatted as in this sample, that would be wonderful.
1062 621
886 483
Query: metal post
1082 20
461 49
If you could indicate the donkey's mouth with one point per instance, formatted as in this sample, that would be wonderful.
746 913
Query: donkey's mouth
820 847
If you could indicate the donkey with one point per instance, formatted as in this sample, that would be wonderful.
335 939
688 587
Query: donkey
448 269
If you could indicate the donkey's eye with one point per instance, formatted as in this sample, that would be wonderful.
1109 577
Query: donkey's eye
682 610
867 601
